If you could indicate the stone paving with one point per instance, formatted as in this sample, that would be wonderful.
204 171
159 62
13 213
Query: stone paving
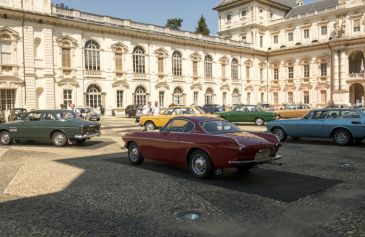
92 190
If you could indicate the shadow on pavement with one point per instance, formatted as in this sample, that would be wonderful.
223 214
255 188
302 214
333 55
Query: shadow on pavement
278 185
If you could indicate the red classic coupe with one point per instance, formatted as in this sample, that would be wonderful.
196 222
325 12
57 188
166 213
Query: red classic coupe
204 144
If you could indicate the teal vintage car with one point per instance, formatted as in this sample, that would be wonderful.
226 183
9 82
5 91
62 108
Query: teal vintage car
248 113
58 126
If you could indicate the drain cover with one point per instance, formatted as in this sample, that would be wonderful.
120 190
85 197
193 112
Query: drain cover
189 215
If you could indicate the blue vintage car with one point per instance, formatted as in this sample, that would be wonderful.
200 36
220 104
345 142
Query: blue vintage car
344 126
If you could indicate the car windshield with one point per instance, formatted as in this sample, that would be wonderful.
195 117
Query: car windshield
199 110
66 115
219 127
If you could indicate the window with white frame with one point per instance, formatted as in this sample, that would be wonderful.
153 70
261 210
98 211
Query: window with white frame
234 69
224 96
323 69
290 36
6 56
276 98
248 98
119 60
161 98
306 97
66 55
7 99
243 13
139 65
176 64
160 65
195 69
323 30
323 96
236 97
178 96
306 34
67 97
262 97
290 97
229 17
223 71
196 97
291 72
247 73
276 73
140 96
208 66
276 39
120 95
306 71
92 56
93 96
356 25
209 96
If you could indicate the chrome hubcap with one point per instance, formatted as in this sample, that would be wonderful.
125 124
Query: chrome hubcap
279 134
5 138
60 139
133 153
341 137
150 127
259 122
199 165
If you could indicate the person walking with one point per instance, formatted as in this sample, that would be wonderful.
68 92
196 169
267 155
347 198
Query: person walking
156 109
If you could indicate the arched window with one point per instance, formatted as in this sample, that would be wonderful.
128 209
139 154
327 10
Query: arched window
92 56
140 96
176 64
209 96
208 66
93 96
356 62
234 69
119 60
5 50
178 96
139 60
66 54
236 97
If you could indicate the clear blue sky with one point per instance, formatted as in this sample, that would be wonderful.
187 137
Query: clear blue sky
153 11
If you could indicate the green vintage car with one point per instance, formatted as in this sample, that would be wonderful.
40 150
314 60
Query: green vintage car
248 113
58 126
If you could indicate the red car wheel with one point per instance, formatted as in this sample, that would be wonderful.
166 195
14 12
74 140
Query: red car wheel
200 164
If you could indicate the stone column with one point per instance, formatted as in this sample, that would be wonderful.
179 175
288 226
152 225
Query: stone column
49 76
30 83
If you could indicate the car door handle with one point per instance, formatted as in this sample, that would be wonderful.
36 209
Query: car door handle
356 122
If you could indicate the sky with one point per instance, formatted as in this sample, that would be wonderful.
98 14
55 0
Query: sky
153 11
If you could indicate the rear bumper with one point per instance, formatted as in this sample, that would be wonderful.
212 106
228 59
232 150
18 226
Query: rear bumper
253 162
81 137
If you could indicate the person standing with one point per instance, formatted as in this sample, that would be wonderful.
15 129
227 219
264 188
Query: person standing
102 110
147 109
156 109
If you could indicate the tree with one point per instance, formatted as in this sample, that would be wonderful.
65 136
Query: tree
174 23
202 27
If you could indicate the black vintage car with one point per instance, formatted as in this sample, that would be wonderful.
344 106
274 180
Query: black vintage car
131 110
213 108
16 114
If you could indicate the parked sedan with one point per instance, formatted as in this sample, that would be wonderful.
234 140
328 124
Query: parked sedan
151 122
132 110
342 125
204 144
248 113
58 126
212 108
293 111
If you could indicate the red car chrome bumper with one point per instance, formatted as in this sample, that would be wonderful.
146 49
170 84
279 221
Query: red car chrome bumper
257 161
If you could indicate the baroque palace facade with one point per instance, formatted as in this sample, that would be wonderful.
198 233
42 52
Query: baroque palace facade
276 51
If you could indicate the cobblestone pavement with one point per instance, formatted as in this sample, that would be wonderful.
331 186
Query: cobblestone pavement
92 190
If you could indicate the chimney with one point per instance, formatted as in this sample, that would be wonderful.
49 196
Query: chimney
300 2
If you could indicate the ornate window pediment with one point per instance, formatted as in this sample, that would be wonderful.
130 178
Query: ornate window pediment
8 34
119 46
323 59
248 63
224 60
196 57
161 53
305 61
67 41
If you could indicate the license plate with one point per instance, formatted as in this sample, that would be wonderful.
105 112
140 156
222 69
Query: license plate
262 154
